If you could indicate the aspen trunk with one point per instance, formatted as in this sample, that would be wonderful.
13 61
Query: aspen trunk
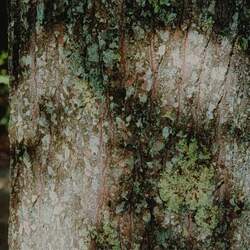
102 103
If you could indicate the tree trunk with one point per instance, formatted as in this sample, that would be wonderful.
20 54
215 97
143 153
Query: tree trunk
129 125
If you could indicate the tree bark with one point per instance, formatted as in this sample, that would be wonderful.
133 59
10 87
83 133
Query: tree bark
81 113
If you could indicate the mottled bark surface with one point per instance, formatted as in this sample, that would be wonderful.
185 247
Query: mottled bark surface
67 167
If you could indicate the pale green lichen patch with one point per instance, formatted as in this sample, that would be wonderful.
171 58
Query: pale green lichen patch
107 237
187 185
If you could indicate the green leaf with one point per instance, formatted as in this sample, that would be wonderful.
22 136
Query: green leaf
120 208
243 42
130 91
165 2
143 98
3 58
156 148
110 57
170 18
93 53
166 131
169 115
146 217
4 79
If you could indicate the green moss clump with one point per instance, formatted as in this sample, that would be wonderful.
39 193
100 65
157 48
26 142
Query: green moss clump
152 13
187 185
106 236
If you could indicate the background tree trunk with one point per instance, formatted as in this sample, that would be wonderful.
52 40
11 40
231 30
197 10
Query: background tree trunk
99 99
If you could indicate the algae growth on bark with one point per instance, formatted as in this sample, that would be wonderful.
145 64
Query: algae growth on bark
129 124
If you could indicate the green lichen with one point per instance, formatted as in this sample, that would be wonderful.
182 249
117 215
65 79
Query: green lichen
40 13
187 186
106 236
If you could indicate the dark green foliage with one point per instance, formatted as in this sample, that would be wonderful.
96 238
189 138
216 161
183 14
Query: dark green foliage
4 90
4 78
151 13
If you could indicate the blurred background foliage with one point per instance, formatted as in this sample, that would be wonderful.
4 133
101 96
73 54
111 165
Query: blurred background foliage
4 90
4 119
3 71
4 149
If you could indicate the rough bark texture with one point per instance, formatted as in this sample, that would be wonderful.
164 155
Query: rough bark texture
68 166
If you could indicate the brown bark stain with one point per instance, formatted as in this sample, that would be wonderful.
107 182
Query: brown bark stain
126 230
190 231
59 30
153 65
